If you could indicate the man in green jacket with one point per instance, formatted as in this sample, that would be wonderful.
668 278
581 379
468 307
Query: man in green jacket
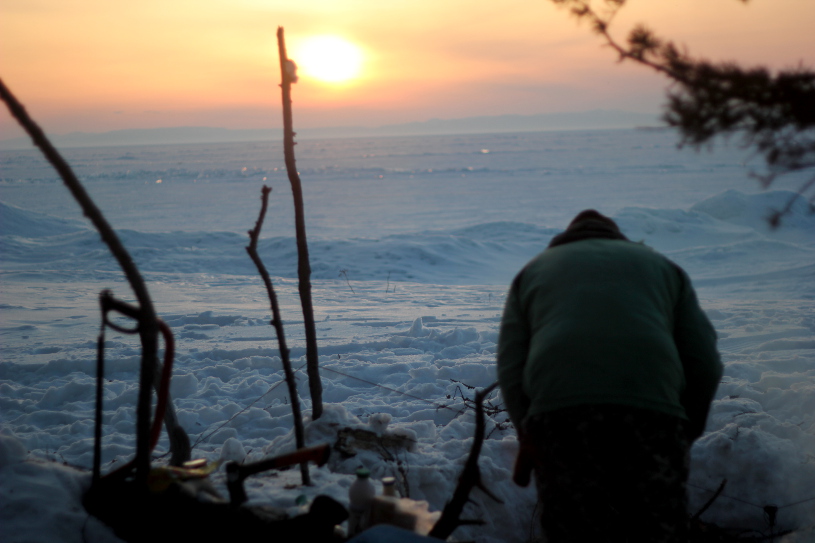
607 366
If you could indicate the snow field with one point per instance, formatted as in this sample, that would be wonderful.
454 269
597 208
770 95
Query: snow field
409 282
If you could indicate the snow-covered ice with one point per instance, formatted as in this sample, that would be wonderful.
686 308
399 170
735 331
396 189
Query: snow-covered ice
413 244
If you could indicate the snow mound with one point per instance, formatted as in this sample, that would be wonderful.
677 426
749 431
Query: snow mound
754 210
673 229
12 451
15 221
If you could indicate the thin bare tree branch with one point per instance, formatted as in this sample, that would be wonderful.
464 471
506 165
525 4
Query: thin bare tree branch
470 477
277 322
148 323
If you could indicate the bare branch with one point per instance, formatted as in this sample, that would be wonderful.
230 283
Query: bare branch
148 322
470 476
708 503
277 322
288 74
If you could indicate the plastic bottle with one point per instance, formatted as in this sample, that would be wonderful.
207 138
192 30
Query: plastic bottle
360 495
389 508
389 487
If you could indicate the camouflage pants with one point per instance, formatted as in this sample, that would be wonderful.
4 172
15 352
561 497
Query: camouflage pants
609 473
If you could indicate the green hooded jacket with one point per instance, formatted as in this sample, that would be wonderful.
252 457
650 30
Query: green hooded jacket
606 321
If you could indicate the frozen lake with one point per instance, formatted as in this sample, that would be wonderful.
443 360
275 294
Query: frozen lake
413 242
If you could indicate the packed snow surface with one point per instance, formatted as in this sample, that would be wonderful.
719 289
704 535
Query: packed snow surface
413 243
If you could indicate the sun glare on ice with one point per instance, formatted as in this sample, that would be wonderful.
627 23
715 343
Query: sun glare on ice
330 59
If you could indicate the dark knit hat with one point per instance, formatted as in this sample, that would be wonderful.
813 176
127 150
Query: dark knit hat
591 215
588 224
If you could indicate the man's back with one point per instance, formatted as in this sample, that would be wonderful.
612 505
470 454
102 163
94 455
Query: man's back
594 322
607 366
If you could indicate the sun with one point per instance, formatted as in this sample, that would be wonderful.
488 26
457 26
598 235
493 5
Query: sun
330 59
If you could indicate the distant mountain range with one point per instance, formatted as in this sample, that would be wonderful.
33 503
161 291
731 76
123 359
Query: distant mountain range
585 120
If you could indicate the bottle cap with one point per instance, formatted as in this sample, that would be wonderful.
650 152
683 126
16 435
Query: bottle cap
363 473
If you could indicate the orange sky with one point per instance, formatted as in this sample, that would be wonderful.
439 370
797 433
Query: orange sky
97 65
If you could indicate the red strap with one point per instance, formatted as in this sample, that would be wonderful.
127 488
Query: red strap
164 387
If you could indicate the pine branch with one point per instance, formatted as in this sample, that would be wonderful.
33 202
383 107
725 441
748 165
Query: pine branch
771 113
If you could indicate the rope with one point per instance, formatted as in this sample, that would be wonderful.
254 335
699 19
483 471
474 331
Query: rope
443 406
425 400
797 503
762 507
723 495
203 437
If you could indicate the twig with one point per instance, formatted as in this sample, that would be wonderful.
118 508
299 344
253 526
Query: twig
710 501
148 324
344 273
775 217
470 478
100 378
289 76
277 322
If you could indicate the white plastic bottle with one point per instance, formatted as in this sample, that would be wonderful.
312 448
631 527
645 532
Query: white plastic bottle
389 487
360 495
387 508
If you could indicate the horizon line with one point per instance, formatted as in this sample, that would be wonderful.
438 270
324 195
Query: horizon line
597 119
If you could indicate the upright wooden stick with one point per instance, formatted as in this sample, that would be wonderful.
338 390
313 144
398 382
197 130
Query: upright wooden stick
288 76
277 322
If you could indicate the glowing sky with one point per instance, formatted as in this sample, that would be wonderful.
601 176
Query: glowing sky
96 65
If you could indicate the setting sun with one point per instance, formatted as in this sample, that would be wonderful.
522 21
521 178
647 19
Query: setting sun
328 58
86 65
